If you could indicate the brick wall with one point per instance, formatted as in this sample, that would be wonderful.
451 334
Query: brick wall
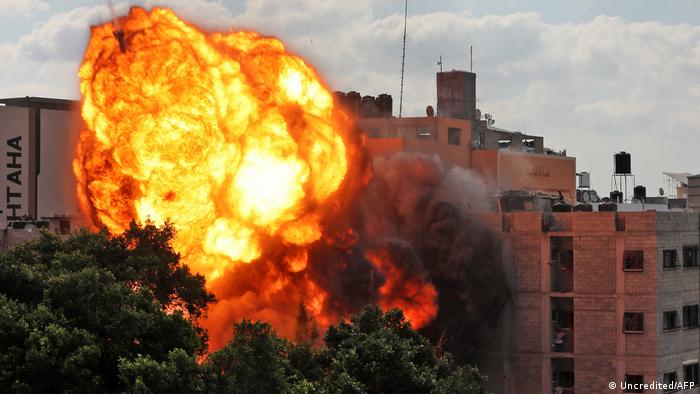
594 265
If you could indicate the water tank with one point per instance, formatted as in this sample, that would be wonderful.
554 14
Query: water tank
616 196
584 180
560 206
608 206
583 207
640 192
623 163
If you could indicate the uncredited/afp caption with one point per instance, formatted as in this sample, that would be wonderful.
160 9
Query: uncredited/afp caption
652 386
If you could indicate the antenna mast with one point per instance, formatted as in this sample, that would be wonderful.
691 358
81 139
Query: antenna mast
403 56
471 59
440 63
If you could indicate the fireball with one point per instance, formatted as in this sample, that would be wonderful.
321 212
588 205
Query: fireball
228 136
233 140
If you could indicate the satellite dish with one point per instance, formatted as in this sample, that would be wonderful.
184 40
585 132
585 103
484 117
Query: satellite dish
478 114
585 196
661 191
429 111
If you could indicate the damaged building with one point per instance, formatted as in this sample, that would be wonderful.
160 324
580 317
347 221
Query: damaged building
601 291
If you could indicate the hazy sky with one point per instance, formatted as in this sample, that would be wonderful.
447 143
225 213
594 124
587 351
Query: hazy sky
593 77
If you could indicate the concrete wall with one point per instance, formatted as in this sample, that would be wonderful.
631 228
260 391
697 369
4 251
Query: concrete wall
676 288
603 292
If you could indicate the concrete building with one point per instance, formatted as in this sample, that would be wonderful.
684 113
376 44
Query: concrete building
506 160
599 297
606 294
39 136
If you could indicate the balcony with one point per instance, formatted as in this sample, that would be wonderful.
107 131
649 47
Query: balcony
562 340
561 264
562 375
562 330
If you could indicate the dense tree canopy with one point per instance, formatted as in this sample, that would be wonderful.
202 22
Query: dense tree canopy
71 309
371 353
97 313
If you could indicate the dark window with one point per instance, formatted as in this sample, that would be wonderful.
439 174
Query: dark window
690 374
635 383
670 259
690 316
504 144
453 136
634 322
670 378
633 260
64 227
671 320
690 256
564 379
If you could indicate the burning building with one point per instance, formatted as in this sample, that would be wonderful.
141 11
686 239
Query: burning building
601 292
267 178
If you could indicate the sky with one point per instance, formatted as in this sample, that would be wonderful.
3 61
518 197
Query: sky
593 77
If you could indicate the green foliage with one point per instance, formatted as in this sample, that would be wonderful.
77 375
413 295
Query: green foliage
381 353
96 313
254 361
372 353
75 311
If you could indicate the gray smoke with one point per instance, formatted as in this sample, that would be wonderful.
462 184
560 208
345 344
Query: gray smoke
414 198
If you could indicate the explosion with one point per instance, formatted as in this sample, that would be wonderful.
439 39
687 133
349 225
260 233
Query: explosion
240 146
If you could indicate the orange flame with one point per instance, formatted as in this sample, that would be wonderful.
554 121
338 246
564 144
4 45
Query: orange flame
413 294
226 135
233 140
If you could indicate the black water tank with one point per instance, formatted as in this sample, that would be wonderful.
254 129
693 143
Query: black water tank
623 163
583 207
616 196
607 207
640 192
561 207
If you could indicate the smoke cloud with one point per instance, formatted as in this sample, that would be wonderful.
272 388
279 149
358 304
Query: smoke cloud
410 239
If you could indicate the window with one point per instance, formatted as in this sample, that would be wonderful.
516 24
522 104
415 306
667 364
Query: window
453 135
64 227
690 256
635 383
633 260
504 144
690 316
671 320
634 322
670 259
670 378
690 373
424 133
528 144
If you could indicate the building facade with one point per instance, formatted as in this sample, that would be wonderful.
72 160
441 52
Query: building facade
598 297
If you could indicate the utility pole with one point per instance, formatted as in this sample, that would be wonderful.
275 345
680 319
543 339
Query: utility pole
403 56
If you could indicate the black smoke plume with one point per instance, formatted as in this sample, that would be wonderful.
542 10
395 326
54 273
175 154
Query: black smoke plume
434 210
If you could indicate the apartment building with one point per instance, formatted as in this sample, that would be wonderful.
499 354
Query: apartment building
599 297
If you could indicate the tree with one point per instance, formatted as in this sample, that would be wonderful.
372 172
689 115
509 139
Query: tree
372 353
381 353
72 310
